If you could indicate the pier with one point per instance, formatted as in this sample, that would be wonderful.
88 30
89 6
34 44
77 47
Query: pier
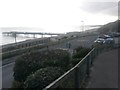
15 34
29 33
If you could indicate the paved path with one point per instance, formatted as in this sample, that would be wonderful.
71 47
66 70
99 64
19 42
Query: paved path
104 73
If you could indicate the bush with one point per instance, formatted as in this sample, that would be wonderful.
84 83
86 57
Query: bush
17 84
43 77
32 61
27 64
95 45
79 48
75 61
81 52
57 58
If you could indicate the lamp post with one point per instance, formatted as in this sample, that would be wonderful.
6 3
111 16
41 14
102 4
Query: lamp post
82 25
14 35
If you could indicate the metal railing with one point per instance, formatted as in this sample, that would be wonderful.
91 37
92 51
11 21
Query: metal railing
74 77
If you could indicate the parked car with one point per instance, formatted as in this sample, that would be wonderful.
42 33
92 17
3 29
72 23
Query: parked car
99 40
109 41
107 36
114 34
104 39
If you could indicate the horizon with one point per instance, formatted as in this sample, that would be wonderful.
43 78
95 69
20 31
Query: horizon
56 16
33 29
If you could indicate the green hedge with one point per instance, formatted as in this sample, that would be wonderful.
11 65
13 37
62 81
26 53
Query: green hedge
16 85
38 69
74 61
32 61
43 77
81 52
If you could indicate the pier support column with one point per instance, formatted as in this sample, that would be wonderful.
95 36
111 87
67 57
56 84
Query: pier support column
42 36
14 35
33 35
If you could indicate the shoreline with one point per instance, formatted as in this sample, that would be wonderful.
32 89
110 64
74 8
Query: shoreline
19 40
24 42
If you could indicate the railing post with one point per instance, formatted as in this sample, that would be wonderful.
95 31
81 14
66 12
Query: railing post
95 52
90 58
88 66
98 51
77 78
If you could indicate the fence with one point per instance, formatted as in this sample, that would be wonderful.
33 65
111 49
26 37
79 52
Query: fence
74 77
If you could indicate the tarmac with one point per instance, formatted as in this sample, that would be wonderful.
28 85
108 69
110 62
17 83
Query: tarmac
104 72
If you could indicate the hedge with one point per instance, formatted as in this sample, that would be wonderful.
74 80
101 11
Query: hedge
32 61
81 52
42 78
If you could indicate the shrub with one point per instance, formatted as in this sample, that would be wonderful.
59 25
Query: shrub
58 58
81 52
78 48
32 61
95 45
42 78
26 64
74 61
17 84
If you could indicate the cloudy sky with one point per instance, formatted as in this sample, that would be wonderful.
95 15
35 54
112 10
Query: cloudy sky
55 15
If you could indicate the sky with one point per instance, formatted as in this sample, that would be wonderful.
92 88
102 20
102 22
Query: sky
57 16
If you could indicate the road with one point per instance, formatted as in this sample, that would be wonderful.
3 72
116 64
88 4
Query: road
7 75
7 70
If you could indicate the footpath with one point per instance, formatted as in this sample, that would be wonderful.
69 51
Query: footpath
104 72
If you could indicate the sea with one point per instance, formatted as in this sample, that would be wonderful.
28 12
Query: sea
9 39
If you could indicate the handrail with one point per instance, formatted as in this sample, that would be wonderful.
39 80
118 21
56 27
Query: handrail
62 78
85 57
55 83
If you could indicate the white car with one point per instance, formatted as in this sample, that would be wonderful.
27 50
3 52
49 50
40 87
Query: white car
99 40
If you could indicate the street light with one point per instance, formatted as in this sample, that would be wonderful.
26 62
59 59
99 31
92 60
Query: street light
14 35
82 25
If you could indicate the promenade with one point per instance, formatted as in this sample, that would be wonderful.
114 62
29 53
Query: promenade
104 72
